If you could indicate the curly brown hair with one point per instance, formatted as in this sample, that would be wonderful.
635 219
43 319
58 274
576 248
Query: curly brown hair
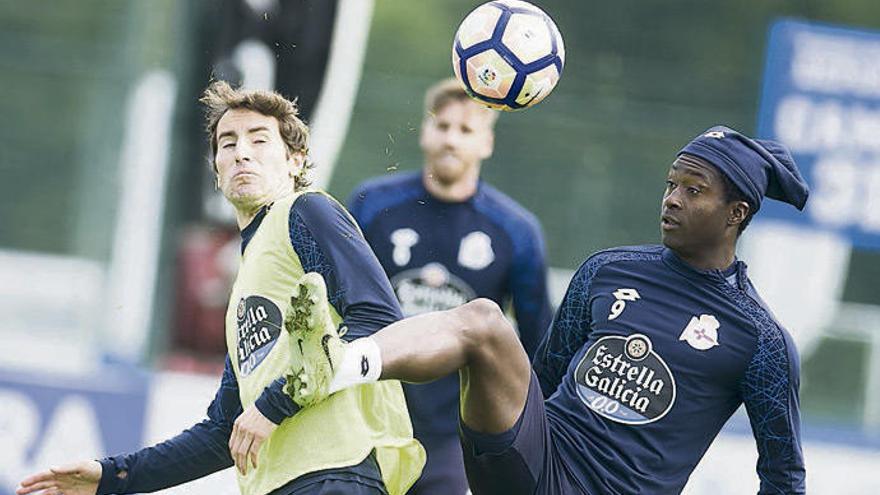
219 97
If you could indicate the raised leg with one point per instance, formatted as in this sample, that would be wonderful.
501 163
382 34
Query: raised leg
474 339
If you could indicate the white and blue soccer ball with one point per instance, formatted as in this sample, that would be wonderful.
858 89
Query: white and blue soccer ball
508 54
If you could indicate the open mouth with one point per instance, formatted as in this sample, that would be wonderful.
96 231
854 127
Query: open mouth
668 222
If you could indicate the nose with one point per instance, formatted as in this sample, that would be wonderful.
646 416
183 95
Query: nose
451 138
672 200
242 152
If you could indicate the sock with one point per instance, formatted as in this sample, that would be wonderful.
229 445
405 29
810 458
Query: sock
361 363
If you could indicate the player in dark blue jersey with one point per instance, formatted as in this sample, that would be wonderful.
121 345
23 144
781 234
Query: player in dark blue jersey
650 353
446 237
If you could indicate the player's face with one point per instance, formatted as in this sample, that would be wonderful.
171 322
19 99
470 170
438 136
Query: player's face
694 212
252 161
456 139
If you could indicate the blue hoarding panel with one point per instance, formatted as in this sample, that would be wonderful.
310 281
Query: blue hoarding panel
821 97
50 419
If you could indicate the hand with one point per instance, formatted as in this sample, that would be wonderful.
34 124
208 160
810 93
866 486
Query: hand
79 478
249 432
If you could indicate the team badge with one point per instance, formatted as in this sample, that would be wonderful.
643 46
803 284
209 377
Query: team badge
475 251
624 380
701 333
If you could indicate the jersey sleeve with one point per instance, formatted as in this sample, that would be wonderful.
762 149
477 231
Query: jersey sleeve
568 332
528 288
355 205
328 242
196 452
770 393
275 404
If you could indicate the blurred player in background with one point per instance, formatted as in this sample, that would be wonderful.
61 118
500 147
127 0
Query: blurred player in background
650 353
444 238
360 442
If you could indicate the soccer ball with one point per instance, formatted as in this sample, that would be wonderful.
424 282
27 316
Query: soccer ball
508 54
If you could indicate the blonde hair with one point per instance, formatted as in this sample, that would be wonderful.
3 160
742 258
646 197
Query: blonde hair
451 90
219 97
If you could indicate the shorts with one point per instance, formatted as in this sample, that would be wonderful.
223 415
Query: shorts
361 479
444 471
527 465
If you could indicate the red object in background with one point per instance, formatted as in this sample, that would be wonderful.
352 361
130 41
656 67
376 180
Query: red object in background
207 263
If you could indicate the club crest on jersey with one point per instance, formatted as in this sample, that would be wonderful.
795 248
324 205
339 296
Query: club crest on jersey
624 380
475 251
701 332
259 324
621 296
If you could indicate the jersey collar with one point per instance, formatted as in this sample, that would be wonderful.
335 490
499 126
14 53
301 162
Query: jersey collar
248 232
716 275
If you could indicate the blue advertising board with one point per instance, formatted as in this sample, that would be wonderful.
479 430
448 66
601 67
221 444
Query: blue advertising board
46 420
821 97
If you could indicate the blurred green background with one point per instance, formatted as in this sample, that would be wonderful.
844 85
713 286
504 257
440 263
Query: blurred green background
641 78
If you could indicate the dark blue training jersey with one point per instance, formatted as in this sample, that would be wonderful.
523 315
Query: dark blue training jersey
327 242
646 360
440 255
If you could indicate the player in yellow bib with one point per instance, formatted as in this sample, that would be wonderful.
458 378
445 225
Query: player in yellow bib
304 262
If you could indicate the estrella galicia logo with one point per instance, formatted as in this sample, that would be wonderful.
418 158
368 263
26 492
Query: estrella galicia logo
430 288
259 324
624 380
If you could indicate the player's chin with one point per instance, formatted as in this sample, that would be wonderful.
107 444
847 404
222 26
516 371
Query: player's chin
244 194
671 238
447 172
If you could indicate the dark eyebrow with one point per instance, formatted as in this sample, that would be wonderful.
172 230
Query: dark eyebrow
252 130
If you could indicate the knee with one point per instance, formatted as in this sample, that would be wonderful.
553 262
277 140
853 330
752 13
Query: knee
484 324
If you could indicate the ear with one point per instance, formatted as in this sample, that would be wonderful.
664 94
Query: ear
295 161
423 131
739 211
488 144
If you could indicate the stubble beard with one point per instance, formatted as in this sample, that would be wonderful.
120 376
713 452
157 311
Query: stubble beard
447 173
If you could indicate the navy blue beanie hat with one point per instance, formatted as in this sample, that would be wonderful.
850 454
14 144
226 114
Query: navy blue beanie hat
757 167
